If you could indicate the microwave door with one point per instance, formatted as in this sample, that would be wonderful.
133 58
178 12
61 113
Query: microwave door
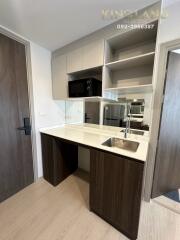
77 88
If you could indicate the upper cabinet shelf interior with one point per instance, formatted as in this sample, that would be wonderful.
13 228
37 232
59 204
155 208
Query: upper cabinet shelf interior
140 60
132 43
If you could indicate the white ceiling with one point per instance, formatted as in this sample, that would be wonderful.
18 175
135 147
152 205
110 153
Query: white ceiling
55 23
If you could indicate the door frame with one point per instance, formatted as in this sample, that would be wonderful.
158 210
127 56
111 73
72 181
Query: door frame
27 45
158 86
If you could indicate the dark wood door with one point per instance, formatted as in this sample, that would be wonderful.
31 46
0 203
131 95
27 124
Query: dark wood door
115 190
16 164
167 167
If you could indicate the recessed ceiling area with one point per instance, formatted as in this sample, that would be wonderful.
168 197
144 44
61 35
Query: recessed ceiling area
55 23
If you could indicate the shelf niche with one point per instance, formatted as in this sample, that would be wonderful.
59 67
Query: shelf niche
129 61
88 73
136 76
132 43
84 74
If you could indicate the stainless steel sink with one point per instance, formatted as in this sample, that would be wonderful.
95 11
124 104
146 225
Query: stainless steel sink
134 132
121 143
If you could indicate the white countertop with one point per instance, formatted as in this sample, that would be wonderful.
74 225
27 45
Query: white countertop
94 135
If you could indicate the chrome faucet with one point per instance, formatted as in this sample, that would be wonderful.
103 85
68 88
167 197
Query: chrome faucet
128 121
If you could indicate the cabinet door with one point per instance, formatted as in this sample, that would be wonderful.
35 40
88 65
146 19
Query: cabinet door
59 77
74 61
93 54
115 190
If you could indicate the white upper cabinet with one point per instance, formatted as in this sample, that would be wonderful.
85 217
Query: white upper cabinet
59 77
88 56
74 60
93 54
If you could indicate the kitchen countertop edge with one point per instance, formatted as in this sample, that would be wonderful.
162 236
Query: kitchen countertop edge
84 135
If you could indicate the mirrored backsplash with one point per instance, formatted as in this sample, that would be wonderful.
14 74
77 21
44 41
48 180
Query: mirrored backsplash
135 108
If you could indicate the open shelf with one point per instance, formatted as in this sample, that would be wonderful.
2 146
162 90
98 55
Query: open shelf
130 44
143 59
134 76
147 88
87 73
133 37
129 61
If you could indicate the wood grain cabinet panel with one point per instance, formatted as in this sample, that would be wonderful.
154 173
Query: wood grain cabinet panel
60 159
85 57
59 77
93 54
115 190
74 61
88 56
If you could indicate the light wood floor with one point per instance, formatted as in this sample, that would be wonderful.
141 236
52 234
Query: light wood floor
169 203
42 212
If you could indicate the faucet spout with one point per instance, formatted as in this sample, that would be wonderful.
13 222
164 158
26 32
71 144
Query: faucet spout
128 121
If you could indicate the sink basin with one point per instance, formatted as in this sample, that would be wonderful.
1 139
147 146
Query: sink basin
134 132
121 143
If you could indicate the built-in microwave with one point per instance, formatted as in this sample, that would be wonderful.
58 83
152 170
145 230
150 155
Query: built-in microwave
86 87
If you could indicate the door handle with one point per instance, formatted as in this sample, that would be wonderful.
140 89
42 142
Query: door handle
27 127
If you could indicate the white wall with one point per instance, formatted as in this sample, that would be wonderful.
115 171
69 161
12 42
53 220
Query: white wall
169 27
47 111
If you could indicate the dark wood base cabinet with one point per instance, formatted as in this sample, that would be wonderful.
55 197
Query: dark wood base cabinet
115 190
115 181
60 159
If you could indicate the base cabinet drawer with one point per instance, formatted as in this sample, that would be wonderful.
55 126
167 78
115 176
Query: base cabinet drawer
115 190
60 159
